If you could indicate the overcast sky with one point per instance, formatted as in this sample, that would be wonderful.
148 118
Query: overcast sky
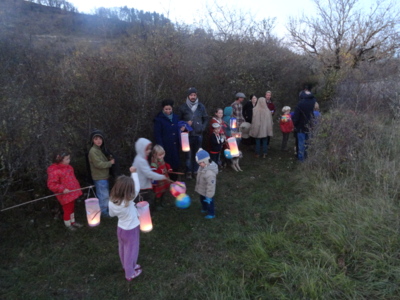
192 12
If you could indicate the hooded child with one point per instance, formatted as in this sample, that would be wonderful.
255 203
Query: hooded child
145 173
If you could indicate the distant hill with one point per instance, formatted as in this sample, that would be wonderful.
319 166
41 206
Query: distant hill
35 19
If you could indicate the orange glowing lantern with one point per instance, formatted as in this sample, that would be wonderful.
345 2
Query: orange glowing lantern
93 211
233 124
233 147
237 135
185 141
144 216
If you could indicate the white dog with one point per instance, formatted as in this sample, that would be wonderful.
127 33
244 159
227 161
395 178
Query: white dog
235 162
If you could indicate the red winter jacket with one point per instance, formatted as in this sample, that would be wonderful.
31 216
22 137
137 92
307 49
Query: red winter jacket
286 123
61 177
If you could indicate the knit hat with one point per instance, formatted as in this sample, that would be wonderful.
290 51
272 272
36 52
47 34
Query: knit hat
216 125
202 156
166 102
96 133
191 91
285 109
240 95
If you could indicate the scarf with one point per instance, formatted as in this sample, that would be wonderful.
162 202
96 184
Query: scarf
192 105
168 116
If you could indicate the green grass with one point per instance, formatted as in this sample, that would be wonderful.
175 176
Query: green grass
283 230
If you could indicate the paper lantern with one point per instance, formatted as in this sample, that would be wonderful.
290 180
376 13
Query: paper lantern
227 154
93 211
177 188
144 216
182 201
233 147
185 141
233 124
237 135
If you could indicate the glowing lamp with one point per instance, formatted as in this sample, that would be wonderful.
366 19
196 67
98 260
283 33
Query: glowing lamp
182 201
177 188
185 141
227 154
237 135
144 216
93 211
233 124
233 147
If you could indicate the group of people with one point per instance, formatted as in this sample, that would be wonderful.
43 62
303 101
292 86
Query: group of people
150 178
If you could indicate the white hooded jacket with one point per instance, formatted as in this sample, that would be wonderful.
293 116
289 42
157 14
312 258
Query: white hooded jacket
146 175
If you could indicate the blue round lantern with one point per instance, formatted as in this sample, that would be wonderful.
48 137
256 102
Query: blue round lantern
182 201
228 154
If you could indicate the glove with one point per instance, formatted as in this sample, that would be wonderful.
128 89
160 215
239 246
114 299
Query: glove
207 200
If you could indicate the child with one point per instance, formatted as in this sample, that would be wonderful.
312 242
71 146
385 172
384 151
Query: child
206 182
100 169
161 167
217 141
145 174
61 179
122 205
217 119
286 125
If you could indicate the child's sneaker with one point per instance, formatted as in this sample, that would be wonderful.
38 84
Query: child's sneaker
71 228
209 217
135 274
77 225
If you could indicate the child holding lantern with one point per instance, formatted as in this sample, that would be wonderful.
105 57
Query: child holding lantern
286 125
145 174
206 182
161 167
217 140
122 205
61 179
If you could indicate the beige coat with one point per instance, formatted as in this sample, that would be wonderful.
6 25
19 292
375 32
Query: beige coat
261 125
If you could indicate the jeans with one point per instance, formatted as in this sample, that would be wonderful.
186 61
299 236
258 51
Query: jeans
207 207
264 145
302 139
195 143
103 193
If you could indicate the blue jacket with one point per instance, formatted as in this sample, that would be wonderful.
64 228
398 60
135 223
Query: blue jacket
304 112
168 135
199 118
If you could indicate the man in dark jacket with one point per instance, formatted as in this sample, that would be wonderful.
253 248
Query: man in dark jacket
195 115
302 120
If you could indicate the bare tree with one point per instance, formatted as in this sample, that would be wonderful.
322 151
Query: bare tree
342 34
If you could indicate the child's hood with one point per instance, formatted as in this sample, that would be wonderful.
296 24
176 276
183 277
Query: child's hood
212 167
228 111
140 147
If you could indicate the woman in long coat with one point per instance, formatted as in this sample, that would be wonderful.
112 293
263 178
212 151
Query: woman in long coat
261 126
167 133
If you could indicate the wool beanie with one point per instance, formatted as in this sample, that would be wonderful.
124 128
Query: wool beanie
191 91
202 156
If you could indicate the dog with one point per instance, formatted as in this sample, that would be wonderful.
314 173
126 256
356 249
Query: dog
234 162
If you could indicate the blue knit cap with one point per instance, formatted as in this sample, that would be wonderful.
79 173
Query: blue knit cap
202 156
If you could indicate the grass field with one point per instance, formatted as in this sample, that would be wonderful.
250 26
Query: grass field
184 257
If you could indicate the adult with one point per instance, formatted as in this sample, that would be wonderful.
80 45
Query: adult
167 134
195 115
270 104
248 108
261 126
237 112
302 120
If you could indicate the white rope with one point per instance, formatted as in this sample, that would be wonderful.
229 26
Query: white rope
88 187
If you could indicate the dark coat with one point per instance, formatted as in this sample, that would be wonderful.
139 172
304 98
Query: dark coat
248 111
199 118
167 135
304 112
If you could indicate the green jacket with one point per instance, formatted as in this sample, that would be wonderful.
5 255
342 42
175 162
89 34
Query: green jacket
99 164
